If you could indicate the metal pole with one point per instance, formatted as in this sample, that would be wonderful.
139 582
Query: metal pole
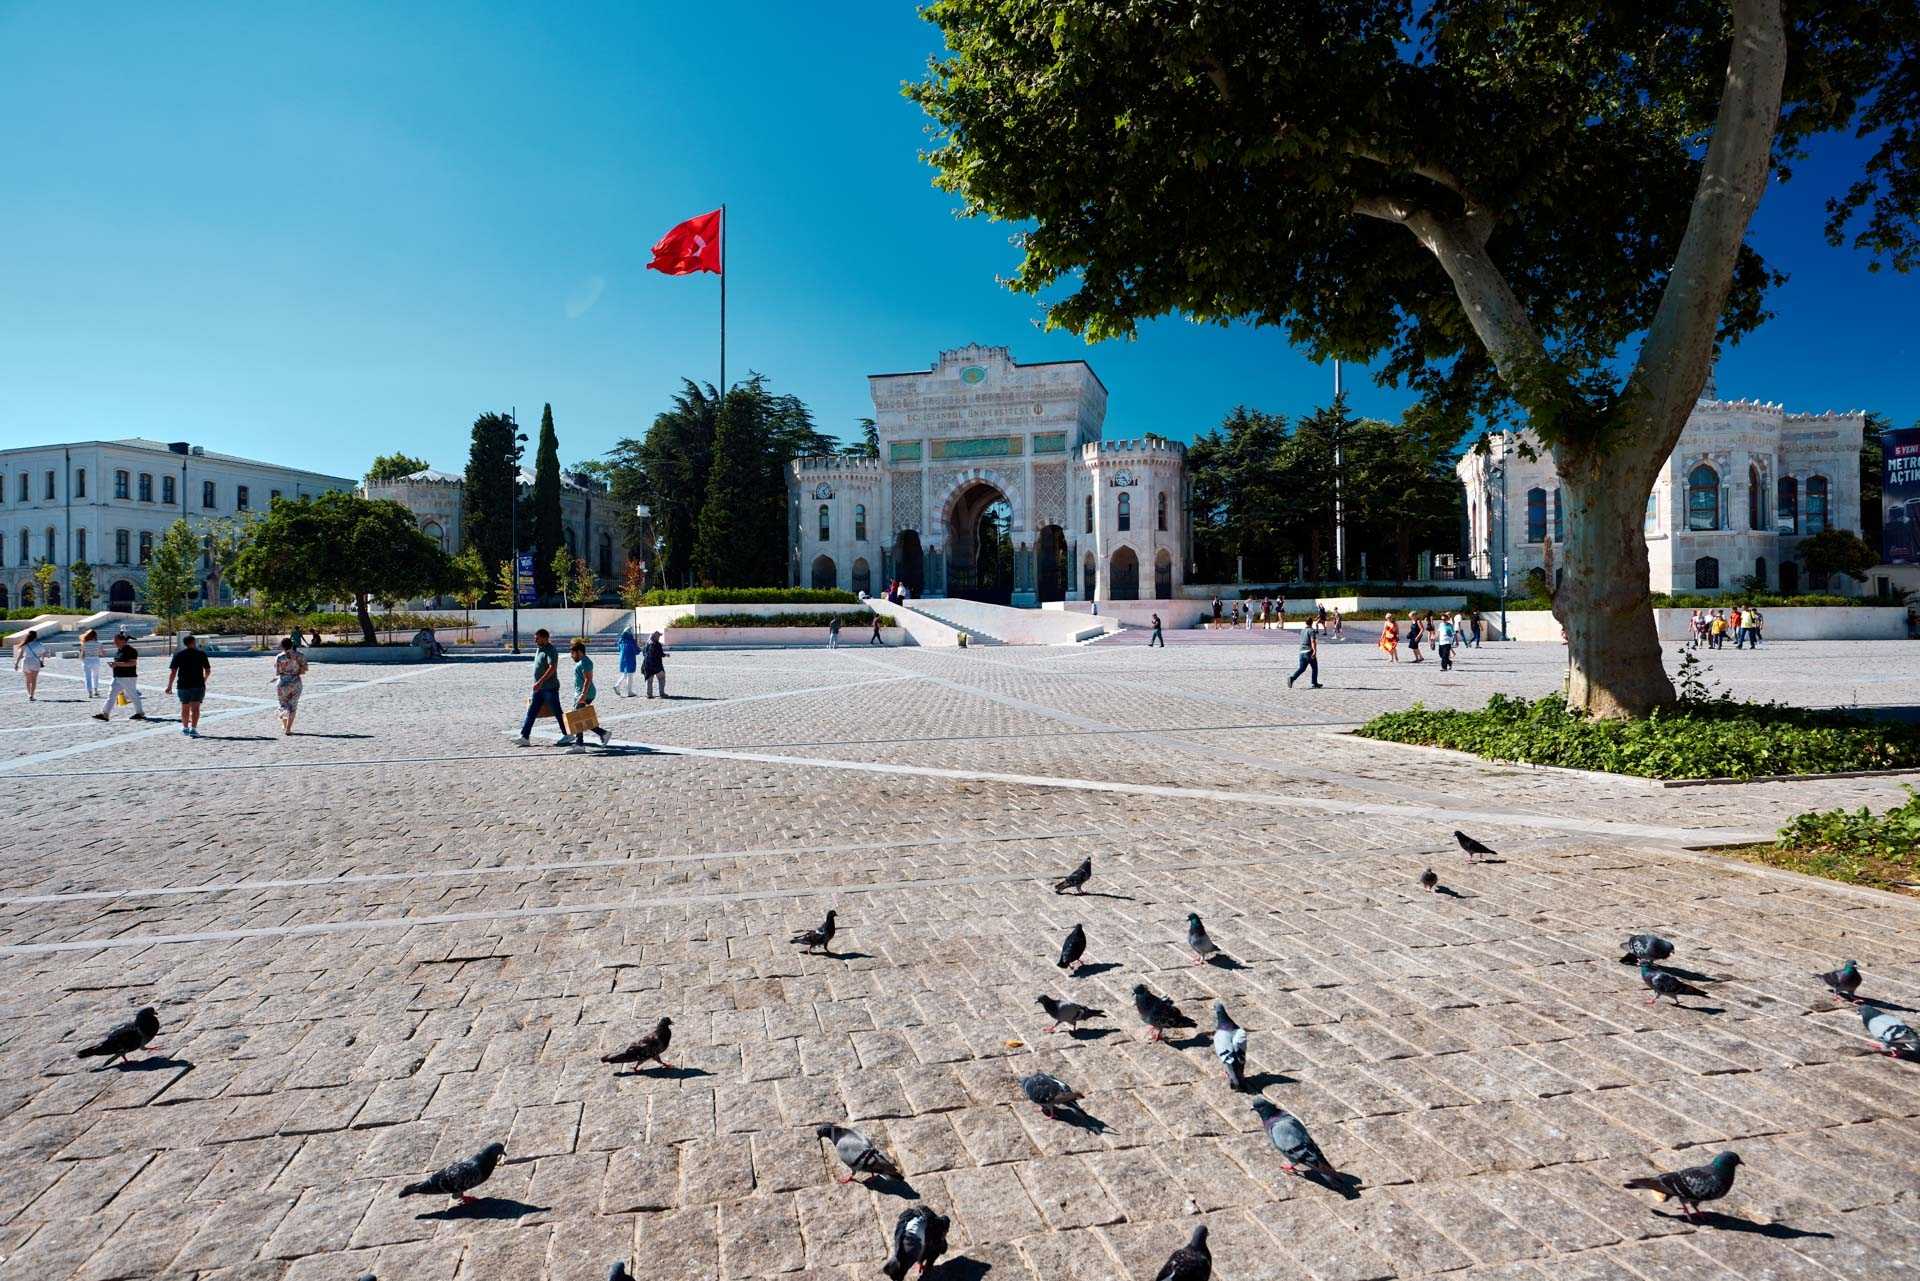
723 308
513 521
1503 541
1339 500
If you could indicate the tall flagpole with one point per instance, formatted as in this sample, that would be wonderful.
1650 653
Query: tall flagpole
723 305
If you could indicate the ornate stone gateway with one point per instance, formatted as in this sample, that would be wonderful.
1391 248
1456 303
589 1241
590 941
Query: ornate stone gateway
993 483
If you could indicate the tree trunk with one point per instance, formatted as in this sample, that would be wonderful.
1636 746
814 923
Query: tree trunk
366 620
1614 669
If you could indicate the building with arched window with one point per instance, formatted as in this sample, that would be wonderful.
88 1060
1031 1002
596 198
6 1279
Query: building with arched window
994 483
1746 482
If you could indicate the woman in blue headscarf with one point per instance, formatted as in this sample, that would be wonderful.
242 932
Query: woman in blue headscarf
629 656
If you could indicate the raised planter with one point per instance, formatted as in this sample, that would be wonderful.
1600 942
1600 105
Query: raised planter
365 654
1782 623
684 638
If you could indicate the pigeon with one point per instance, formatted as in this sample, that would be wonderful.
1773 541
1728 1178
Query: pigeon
856 1152
1894 1036
1049 1092
135 1034
1204 948
1429 881
919 1236
1290 1139
1191 1262
618 1272
461 1177
1843 982
1073 949
1076 879
1475 850
1694 1184
651 1046
1645 947
1230 1046
1067 1012
1157 1012
1661 983
819 938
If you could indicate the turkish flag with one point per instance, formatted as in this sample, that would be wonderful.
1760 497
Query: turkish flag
692 246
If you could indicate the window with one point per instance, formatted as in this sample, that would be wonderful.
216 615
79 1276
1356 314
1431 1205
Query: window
50 544
1089 513
1756 499
1817 579
1124 514
26 487
206 494
859 522
24 555
146 487
1703 499
119 484
1559 519
49 486
1760 571
166 491
271 495
826 525
1706 573
146 546
1786 507
240 498
1651 525
1816 504
1162 504
606 555
120 546
80 546
1536 515
80 483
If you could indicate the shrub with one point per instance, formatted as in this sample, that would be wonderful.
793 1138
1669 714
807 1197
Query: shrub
777 620
1855 846
749 596
1699 738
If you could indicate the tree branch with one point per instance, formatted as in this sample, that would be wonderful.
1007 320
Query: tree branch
1382 207
1479 215
1673 360
1493 309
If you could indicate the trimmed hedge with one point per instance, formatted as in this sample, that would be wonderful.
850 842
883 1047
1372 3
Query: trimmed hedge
1857 846
1714 738
750 596
777 620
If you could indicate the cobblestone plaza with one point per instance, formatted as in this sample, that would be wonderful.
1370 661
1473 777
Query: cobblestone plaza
396 937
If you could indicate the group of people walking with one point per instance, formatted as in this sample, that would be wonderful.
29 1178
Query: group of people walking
1712 627
188 670
649 659
1267 613
1444 632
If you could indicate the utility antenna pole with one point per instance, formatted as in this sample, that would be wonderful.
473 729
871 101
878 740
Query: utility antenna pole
1339 500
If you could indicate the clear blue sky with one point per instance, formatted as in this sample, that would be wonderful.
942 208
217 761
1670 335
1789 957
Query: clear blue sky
313 233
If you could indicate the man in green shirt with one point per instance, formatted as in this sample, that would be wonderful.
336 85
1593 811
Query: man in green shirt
546 688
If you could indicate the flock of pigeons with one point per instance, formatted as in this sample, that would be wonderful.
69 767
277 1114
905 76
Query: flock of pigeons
920 1234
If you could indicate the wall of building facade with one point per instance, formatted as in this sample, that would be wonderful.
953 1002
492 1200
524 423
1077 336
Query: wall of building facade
589 520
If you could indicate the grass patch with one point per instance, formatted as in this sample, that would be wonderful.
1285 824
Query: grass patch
819 620
1854 846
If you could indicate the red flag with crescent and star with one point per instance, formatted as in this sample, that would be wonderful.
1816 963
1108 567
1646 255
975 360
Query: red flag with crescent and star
693 245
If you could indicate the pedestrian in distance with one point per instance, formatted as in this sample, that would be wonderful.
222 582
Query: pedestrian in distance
877 638
188 671
1390 639
629 662
545 696
29 655
1309 653
289 672
90 660
583 692
1338 633
1754 624
1444 647
653 665
296 639
1416 632
1248 616
833 632
1156 638
126 678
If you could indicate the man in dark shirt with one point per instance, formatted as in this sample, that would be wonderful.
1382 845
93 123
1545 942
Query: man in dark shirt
126 679
546 688
188 670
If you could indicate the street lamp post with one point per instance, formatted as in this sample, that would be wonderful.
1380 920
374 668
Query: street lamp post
1500 469
513 522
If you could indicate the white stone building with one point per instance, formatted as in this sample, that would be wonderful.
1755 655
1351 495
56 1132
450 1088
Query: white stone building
1746 482
108 502
977 442
589 521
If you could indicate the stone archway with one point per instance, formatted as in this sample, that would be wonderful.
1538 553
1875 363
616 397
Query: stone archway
1089 580
1123 575
979 527
825 577
120 595
862 577
1050 580
1163 575
909 561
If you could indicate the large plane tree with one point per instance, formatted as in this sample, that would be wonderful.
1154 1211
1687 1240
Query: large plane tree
1532 212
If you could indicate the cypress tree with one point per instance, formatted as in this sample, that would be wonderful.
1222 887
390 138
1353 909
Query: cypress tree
548 530
491 464
726 549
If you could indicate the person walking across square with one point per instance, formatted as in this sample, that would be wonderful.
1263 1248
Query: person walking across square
188 671
1156 638
877 638
629 661
546 688
90 660
833 632
583 692
1309 653
30 656
653 665
289 671
1445 645
126 679
1390 639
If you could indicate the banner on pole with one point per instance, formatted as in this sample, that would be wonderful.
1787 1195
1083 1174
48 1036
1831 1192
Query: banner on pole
523 579
1900 497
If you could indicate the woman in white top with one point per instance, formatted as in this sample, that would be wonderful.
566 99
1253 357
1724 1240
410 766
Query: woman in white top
90 660
30 656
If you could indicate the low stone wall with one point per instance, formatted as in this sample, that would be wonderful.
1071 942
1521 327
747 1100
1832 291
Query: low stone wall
1174 614
1782 623
684 638
654 618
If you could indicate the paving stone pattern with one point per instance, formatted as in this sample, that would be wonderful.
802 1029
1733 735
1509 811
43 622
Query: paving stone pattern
396 937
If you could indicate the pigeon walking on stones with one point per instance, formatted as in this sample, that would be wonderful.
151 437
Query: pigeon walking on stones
1075 879
857 1153
819 939
1049 1092
1429 881
1067 1012
1694 1184
919 1236
461 1177
1644 947
1230 1046
136 1033
1204 949
1843 982
1290 1139
651 1046
1191 1262
1073 949
1661 983
1475 850
1895 1037
1157 1012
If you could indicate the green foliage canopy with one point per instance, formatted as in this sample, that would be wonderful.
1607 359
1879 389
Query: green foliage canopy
339 546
